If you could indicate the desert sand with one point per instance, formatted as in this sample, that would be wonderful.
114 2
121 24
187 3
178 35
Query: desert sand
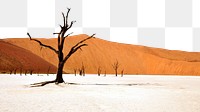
144 94
133 59
16 58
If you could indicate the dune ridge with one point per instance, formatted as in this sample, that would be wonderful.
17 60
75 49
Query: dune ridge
133 59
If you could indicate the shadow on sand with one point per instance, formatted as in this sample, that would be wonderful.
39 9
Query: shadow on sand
101 84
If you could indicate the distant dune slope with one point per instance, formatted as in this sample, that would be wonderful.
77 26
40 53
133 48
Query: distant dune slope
133 59
13 57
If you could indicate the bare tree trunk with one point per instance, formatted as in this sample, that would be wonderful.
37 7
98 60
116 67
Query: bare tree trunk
80 72
99 71
31 72
59 78
15 71
83 71
10 72
25 72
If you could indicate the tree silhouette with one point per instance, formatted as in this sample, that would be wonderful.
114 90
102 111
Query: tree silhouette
59 51
83 69
80 71
48 71
122 73
115 67
99 71
75 69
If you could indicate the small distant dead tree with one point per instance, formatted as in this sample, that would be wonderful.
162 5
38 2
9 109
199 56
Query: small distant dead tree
25 72
20 71
11 71
83 69
99 71
105 74
38 72
115 67
15 71
122 73
48 71
75 69
80 72
59 51
31 71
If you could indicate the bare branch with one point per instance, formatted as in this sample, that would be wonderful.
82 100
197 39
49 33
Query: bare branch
79 47
65 26
76 47
116 65
63 40
43 45
69 34
61 26
64 19
72 51
56 33
72 22
67 15
65 29
83 41
60 34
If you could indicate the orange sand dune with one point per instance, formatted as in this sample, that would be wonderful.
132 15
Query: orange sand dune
16 58
133 59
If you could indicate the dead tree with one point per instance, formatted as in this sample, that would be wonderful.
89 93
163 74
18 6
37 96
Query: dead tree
48 71
75 71
105 74
83 69
11 72
80 72
25 72
15 71
20 71
115 67
99 71
59 51
122 73
31 71
38 72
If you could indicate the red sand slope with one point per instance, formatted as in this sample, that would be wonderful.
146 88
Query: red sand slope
13 57
133 59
